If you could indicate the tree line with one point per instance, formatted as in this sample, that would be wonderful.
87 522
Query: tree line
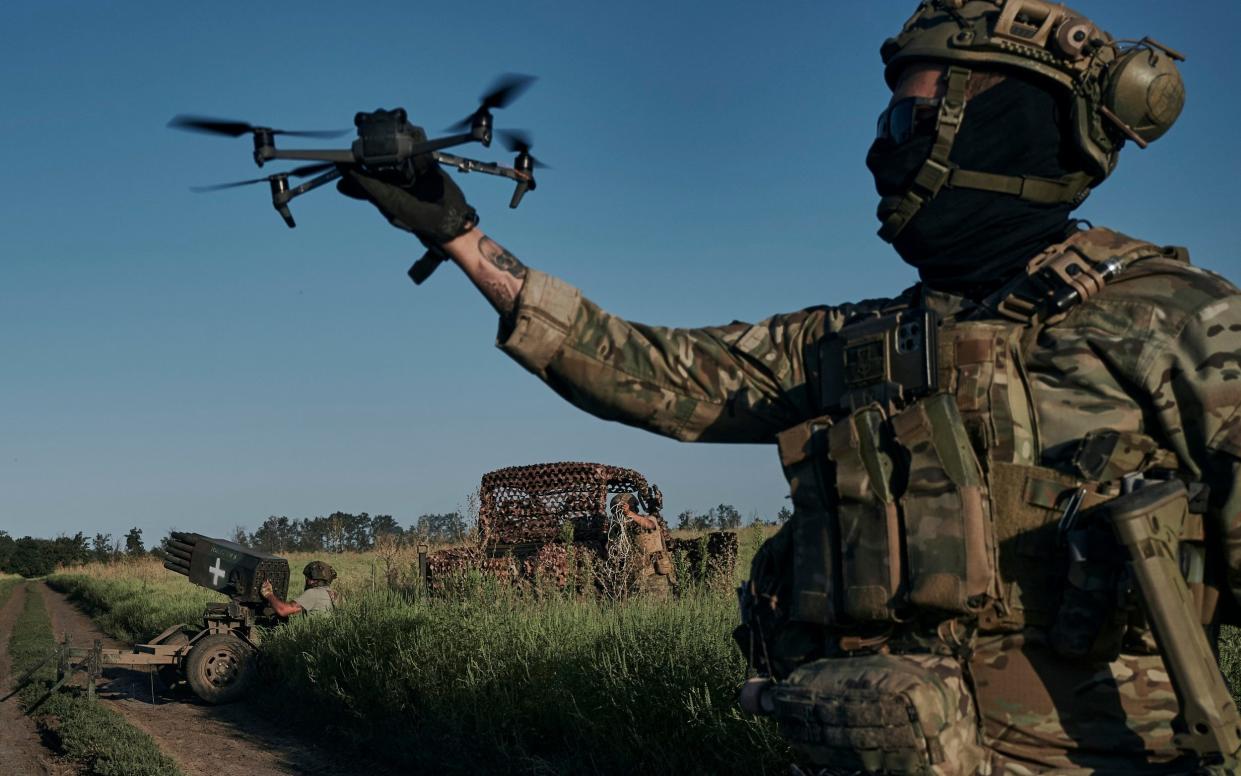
724 517
31 557
345 532
337 532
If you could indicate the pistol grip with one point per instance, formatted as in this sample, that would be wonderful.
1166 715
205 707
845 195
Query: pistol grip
1147 523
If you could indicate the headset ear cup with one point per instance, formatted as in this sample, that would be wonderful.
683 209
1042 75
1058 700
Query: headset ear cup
1144 91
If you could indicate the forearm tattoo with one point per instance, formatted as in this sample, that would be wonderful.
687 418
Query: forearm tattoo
502 292
496 254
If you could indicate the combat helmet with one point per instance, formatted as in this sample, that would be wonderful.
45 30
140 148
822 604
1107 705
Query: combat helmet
320 570
625 500
1117 89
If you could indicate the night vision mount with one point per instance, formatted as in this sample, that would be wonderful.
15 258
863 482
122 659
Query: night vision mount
387 146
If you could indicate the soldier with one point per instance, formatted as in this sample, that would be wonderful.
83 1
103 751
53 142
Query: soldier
316 598
655 576
941 444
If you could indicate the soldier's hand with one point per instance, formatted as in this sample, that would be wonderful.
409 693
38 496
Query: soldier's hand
265 589
432 206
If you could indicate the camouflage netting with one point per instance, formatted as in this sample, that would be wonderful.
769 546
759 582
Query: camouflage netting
525 507
529 516
549 564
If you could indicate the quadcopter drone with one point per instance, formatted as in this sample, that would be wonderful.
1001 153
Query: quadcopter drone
387 145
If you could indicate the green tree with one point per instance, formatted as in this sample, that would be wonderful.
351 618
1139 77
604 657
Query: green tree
133 543
385 525
725 517
274 535
101 547
447 528
6 550
31 557
783 515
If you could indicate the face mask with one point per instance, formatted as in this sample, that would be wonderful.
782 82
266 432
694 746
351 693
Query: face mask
968 241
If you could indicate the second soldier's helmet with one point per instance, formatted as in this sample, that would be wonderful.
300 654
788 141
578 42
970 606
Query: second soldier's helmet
320 570
625 499
1117 90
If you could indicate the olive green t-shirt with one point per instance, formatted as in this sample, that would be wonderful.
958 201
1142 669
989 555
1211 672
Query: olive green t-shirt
315 600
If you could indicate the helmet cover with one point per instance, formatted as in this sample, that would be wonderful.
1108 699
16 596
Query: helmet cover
320 570
1118 90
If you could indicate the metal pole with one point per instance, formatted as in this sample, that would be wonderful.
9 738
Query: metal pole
422 563
93 668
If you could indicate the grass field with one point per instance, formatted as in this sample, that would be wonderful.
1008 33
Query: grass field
494 680
489 679
88 732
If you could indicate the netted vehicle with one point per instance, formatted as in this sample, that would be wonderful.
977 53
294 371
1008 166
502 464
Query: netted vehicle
557 523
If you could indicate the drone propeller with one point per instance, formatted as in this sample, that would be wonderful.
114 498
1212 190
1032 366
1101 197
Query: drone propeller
238 128
506 89
296 172
520 142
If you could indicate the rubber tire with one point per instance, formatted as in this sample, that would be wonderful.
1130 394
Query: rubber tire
220 668
171 675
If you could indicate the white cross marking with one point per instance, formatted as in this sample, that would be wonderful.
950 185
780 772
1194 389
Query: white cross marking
217 572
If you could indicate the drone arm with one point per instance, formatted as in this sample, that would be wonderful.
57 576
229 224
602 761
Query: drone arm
443 142
338 156
311 184
462 164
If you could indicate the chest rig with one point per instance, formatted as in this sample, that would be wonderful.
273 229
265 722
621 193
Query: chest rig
918 491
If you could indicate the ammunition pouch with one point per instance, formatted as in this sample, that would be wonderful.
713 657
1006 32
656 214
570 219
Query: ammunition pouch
913 515
948 532
892 714
862 448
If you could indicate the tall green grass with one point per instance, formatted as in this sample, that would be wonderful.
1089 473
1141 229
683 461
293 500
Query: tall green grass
552 685
490 678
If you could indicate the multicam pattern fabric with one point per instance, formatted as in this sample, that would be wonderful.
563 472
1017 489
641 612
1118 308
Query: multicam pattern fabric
908 713
1156 353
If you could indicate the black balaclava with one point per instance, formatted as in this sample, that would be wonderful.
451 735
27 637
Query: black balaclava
966 241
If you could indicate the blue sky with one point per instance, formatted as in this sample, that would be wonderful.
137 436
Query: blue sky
172 359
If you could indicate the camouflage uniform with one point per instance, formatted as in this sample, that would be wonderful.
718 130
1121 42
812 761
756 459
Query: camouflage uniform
1155 353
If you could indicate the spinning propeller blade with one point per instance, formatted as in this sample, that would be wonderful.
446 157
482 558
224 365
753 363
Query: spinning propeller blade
507 88
296 172
238 128
519 141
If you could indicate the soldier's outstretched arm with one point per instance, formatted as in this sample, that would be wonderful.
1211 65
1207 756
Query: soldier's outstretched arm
734 383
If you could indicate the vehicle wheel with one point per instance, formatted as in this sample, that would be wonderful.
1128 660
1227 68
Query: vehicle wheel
171 675
220 668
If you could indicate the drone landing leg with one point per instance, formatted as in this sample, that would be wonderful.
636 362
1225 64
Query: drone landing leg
281 193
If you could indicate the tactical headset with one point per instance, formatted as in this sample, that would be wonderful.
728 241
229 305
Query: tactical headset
1118 90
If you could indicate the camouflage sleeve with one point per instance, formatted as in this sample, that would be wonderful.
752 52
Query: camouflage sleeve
734 383
1194 377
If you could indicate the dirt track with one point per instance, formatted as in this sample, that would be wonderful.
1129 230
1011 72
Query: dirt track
21 750
233 740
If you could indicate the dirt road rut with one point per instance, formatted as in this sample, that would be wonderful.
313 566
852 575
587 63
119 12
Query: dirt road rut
21 750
